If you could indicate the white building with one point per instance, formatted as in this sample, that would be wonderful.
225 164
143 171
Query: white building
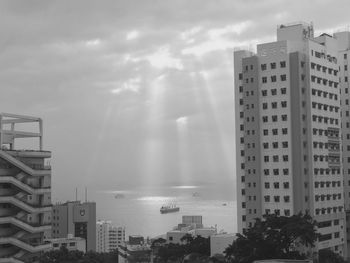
108 237
190 225
288 131
70 242
219 242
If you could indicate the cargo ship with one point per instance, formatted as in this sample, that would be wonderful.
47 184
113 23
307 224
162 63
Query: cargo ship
169 209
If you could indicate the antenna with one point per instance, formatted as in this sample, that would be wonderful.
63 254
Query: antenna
85 194
76 194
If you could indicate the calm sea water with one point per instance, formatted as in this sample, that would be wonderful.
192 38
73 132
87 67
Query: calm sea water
138 210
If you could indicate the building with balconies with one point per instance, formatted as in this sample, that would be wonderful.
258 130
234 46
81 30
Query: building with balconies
25 190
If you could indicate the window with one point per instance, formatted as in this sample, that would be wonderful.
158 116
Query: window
345 56
284 117
266 158
275 131
275 158
284 131
273 65
276 185
267 198
267 185
285 158
264 93
274 105
264 79
264 105
283 91
263 66
286 185
286 198
284 104
283 77
283 64
285 144
265 119
274 118
276 198
240 76
266 132
273 78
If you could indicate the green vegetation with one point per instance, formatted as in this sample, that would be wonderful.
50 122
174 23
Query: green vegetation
277 237
64 256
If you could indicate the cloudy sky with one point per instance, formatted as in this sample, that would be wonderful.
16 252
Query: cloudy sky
138 92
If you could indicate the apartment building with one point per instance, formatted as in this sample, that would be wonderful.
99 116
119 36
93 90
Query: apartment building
288 111
75 219
344 80
25 189
108 237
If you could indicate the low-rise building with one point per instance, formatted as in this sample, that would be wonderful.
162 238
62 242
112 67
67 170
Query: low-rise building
135 250
190 225
70 242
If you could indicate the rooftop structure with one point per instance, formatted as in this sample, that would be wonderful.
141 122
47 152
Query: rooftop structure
25 196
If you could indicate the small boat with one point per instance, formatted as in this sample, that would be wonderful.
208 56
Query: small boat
195 194
119 196
169 209
224 204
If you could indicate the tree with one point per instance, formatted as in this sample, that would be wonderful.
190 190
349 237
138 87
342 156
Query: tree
328 256
64 256
274 237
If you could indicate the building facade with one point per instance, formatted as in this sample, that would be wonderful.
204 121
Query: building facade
70 242
136 250
25 192
77 219
288 115
108 237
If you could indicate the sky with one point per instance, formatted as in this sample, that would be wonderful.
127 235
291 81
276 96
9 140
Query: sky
138 93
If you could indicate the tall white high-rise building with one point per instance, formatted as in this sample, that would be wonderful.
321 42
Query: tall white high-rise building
288 110
108 237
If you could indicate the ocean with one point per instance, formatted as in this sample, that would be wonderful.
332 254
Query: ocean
137 209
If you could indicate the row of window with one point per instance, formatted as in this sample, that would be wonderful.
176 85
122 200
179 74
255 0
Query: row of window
326 132
274 105
283 91
275 145
276 185
328 210
321 106
322 184
276 171
326 171
324 94
324 145
325 119
323 81
273 65
274 118
273 78
275 158
327 197
276 198
324 69
324 56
